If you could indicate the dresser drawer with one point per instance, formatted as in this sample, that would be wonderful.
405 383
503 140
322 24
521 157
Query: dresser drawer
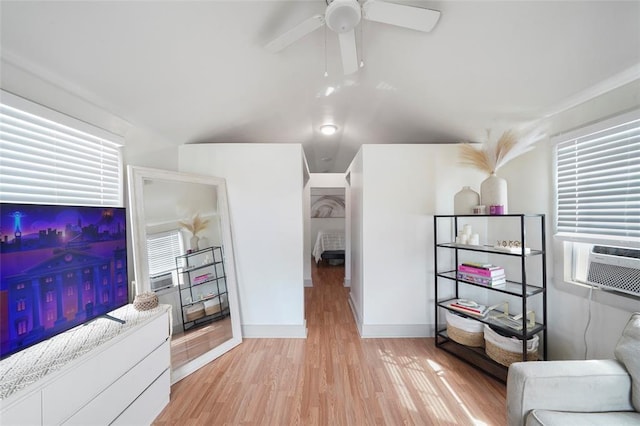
89 378
108 405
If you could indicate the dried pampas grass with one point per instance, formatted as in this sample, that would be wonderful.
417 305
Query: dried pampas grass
196 225
496 153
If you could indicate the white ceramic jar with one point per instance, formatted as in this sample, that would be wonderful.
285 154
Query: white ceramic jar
465 200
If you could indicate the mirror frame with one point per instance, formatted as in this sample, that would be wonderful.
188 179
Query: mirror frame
136 177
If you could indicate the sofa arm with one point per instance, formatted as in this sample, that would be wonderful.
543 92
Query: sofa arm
582 386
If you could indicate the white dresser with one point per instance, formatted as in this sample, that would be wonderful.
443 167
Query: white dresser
100 373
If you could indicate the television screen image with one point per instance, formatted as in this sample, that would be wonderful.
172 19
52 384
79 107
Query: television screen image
60 266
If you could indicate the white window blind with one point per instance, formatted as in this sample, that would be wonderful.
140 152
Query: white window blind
47 157
162 250
598 180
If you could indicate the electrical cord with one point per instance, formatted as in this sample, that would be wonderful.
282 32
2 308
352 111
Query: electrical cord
586 347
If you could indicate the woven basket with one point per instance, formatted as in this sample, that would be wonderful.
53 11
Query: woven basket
194 312
145 301
506 351
464 336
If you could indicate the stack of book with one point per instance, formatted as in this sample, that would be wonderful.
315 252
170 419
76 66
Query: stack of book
468 307
482 273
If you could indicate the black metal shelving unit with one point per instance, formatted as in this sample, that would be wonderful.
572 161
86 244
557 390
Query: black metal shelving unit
523 289
202 279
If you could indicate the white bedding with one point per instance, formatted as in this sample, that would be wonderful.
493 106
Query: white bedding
328 240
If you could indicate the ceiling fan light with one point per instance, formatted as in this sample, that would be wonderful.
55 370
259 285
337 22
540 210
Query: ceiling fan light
328 129
343 15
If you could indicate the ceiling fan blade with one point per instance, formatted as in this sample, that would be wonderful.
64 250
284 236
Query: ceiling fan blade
295 33
411 17
348 51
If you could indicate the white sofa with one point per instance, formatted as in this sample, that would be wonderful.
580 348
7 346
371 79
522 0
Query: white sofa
592 392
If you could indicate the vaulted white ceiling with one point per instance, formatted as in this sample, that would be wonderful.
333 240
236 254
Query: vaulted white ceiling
198 71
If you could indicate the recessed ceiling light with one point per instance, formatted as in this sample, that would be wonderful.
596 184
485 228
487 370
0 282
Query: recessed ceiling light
328 129
329 90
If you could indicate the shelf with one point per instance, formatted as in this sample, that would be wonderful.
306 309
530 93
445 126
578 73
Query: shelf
211 273
475 356
207 281
205 319
188 269
451 216
488 249
197 252
201 300
510 287
493 323
522 291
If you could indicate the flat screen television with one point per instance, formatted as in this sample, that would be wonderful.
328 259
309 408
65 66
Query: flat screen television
60 266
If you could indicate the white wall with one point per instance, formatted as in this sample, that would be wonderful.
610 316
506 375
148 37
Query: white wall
396 190
531 189
265 191
355 213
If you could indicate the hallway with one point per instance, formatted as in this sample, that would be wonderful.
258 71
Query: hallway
335 378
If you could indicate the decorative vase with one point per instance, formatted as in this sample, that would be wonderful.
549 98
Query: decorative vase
493 192
465 200
193 242
203 243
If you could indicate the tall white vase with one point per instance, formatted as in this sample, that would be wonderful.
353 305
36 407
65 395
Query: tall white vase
493 192
465 200
193 242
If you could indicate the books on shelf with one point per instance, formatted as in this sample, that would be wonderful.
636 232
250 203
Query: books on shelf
480 279
468 307
480 265
202 278
491 271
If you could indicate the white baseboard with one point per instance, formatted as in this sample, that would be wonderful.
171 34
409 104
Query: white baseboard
368 331
274 331
308 283
347 282
356 314
396 330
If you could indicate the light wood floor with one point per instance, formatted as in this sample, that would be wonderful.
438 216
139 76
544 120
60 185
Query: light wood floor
186 346
335 378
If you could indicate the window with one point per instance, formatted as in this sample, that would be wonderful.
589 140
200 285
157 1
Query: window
597 194
598 181
48 157
162 250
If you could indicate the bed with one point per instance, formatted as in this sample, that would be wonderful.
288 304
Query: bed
329 246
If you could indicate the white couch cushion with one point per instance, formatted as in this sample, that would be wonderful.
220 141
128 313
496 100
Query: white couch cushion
628 352
563 418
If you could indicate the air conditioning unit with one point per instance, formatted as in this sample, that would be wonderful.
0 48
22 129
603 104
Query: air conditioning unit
615 268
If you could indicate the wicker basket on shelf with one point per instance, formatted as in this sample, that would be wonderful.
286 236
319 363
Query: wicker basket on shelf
466 331
507 350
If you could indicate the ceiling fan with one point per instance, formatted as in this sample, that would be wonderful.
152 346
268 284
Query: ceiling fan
342 16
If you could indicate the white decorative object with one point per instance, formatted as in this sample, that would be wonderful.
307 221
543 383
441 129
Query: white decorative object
493 192
203 243
465 200
492 155
193 242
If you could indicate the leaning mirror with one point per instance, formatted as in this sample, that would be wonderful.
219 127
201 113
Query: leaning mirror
183 252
